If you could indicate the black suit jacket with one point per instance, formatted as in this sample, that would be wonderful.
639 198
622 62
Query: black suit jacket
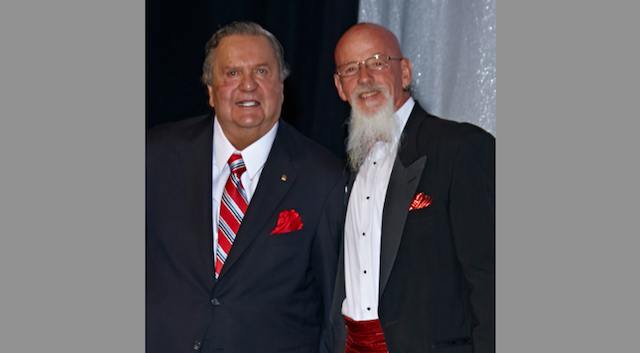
437 264
274 291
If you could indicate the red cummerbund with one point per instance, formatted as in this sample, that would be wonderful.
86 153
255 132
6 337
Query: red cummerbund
364 336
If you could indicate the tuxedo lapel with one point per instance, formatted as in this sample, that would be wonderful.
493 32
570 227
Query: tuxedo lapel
402 188
195 155
268 195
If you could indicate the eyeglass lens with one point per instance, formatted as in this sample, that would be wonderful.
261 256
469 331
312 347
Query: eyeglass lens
376 62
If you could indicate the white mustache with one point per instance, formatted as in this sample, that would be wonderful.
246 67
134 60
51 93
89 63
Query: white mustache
367 88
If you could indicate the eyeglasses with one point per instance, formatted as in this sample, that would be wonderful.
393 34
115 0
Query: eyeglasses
374 63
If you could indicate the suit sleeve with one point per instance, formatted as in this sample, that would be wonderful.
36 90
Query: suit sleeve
472 212
325 252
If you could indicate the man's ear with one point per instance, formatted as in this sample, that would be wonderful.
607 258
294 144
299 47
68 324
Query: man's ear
336 81
210 90
407 68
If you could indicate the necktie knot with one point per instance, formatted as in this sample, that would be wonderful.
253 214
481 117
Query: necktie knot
236 164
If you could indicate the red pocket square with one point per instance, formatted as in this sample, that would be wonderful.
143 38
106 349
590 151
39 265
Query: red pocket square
288 221
420 201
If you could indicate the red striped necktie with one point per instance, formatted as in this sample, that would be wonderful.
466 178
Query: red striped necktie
232 209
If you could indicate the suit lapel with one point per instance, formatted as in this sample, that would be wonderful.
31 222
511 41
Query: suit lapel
338 290
268 195
339 294
195 162
403 184
402 188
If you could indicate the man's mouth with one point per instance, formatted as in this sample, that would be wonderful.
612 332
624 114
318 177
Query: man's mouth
248 103
369 94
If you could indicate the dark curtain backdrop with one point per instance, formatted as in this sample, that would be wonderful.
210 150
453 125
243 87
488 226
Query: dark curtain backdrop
176 33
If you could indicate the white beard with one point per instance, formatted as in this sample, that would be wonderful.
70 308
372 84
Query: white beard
365 129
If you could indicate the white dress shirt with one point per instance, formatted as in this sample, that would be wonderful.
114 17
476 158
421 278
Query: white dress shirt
363 226
254 157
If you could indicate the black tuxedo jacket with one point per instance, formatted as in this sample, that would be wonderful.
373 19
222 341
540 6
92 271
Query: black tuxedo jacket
274 291
437 263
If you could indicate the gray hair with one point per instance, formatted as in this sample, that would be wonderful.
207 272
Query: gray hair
245 28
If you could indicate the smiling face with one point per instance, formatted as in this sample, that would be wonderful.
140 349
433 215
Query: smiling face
246 93
359 43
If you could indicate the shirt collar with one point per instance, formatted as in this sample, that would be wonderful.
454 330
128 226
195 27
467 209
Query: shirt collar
402 114
254 156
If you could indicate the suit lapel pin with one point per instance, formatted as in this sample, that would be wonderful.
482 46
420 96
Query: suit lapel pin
283 177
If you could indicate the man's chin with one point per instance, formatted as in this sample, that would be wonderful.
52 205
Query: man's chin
369 107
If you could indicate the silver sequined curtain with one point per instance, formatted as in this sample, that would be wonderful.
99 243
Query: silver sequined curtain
452 46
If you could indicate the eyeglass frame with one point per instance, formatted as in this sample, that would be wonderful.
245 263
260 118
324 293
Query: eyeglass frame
364 62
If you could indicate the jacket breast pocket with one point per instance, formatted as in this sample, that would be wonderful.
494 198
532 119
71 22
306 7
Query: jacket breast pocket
427 216
285 238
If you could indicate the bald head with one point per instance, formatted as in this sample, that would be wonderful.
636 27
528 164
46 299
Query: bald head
368 32
361 42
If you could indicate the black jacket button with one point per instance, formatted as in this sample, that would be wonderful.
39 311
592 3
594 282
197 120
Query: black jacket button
215 301
197 345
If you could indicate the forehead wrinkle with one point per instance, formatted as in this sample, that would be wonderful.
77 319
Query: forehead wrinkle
242 65
235 46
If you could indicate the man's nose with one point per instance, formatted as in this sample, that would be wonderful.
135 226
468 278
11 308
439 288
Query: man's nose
248 82
364 75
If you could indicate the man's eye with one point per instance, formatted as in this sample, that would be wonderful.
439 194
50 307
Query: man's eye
349 69
262 71
232 73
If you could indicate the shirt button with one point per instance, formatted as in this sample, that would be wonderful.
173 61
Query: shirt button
363 233
367 197
368 308
215 301
365 271
197 345
374 162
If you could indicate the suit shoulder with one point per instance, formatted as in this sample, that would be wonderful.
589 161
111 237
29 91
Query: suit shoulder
452 129
431 134
176 129
452 133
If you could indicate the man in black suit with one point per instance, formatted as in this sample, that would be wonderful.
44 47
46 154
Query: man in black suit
417 269
233 263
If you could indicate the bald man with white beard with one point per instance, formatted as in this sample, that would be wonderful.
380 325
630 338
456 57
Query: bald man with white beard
417 268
